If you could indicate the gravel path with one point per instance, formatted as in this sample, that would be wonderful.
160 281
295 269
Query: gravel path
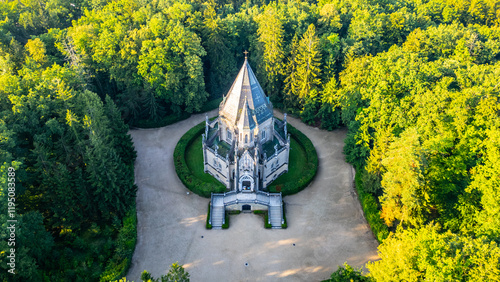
326 226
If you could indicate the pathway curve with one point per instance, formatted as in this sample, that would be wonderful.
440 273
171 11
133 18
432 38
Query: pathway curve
326 226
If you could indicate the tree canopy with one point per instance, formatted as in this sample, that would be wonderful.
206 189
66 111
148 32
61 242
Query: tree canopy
414 82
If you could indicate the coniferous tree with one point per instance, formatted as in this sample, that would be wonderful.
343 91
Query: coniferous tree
121 140
290 90
270 33
308 61
222 64
302 84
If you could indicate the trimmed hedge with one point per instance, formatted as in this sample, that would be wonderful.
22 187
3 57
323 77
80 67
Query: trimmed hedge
208 225
267 225
204 189
370 208
194 184
295 185
284 225
226 223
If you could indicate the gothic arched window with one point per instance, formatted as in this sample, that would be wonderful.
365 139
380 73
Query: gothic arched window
246 138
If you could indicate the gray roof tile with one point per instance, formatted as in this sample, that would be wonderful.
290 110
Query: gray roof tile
247 89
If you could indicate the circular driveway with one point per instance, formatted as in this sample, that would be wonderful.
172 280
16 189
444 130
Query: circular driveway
326 226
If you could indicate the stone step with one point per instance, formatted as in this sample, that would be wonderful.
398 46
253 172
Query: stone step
217 216
275 216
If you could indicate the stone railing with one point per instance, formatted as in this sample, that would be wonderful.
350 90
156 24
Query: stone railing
259 197
280 138
217 154
275 154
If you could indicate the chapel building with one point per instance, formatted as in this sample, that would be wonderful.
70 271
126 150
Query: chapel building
246 148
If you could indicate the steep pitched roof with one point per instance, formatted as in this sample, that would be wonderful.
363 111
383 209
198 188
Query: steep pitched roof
246 89
246 119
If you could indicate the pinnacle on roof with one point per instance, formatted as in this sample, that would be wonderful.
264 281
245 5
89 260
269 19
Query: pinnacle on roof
246 119
246 90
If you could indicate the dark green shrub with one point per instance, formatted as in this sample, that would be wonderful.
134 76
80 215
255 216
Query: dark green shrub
329 116
208 225
267 225
226 223
309 112
284 225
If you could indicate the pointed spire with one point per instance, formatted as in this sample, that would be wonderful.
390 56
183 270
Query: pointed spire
246 118
246 88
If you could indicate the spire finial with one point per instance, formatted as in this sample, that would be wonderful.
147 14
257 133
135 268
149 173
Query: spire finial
246 54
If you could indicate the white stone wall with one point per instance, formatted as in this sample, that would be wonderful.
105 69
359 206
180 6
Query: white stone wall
268 127
275 166
256 133
238 207
270 170
217 167
250 135
222 131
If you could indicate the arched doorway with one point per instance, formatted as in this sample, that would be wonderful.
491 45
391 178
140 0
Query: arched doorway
246 183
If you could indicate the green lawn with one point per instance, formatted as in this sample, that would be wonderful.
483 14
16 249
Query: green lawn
194 161
296 165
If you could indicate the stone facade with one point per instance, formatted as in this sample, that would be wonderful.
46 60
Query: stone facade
246 148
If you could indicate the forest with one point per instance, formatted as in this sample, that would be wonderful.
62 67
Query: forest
415 82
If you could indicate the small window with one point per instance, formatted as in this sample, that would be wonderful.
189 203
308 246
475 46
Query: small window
229 136
246 138
263 135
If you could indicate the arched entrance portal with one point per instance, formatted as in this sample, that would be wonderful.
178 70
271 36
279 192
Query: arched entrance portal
246 183
246 208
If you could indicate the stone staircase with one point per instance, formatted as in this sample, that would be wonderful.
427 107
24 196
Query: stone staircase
219 201
275 216
217 215
218 211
